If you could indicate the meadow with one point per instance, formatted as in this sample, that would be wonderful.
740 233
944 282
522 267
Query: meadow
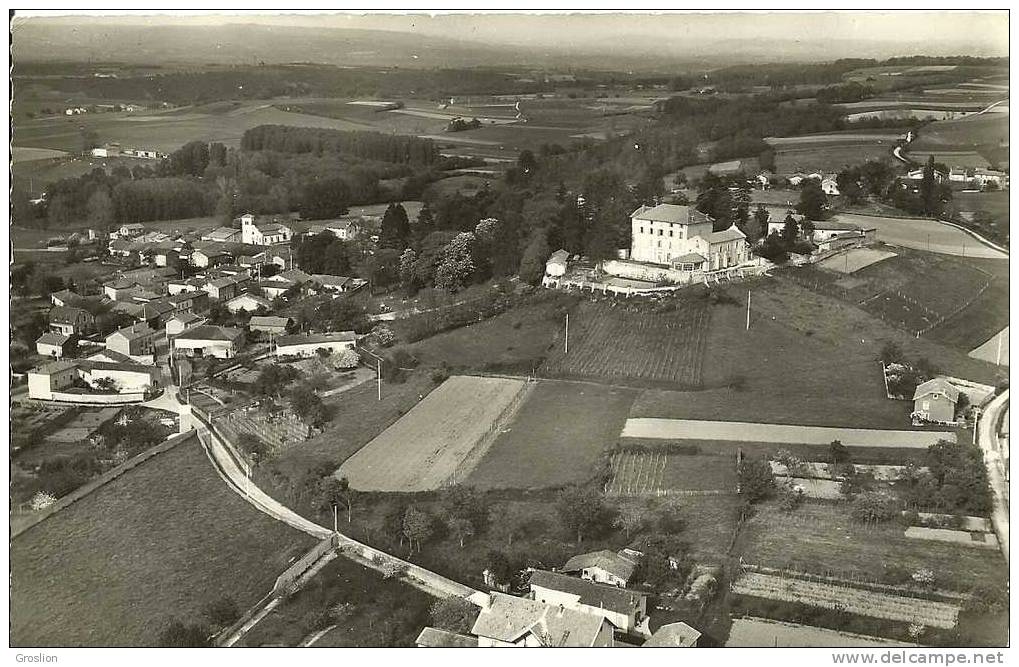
82 579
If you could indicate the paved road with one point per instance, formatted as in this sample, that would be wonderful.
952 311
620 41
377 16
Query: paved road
923 234
995 350
695 429
987 438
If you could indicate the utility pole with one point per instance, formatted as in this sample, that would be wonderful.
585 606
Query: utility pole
379 365
1001 334
335 529
748 310
566 343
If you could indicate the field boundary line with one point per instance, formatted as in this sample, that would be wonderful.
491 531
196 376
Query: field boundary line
978 237
101 481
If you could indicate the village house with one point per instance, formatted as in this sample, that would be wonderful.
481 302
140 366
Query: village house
70 321
131 229
248 302
935 401
624 609
137 341
66 297
557 263
182 322
830 186
989 179
270 324
222 235
126 378
49 378
293 276
224 289
208 257
917 175
275 288
673 635
52 344
681 236
308 345
338 284
209 341
188 302
603 567
506 620
180 285
121 289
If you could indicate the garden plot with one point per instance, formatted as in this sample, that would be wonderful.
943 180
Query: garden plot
662 473
609 341
853 600
426 447
766 633
979 540
825 489
818 470
853 260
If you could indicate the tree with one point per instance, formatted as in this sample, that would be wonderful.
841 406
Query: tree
503 526
395 228
755 479
346 359
761 217
454 614
254 445
325 198
460 529
838 453
333 492
457 265
813 202
790 230
532 264
180 635
581 510
499 567
100 209
407 274
417 526
273 380
929 191
464 503
630 518
307 405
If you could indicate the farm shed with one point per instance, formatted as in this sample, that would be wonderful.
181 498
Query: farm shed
307 345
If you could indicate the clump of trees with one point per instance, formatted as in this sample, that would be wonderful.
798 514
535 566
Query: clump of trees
755 478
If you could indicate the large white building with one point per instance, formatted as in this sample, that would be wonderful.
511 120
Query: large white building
266 233
681 237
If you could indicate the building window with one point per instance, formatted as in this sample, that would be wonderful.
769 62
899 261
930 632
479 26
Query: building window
661 233
641 230
670 232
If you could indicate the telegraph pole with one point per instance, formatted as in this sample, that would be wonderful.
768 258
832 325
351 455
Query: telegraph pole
379 366
566 343
1001 334
748 310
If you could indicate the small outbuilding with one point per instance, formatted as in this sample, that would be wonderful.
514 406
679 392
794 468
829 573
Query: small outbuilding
935 401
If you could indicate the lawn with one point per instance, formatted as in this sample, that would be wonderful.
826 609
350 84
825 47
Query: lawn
827 541
643 344
984 317
977 132
378 612
558 437
829 157
82 579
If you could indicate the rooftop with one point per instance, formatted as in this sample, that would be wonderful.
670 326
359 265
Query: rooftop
937 385
307 339
609 561
436 638
596 595
211 332
508 618
671 213
135 331
65 314
731 234
268 321
673 635
50 338
54 367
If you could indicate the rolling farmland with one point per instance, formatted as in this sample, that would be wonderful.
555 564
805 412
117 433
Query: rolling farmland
428 444
609 341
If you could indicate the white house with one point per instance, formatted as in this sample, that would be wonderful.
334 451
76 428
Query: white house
182 322
209 341
557 263
131 229
603 567
51 377
307 345
70 321
52 344
248 303
126 378
269 324
830 186
682 237
624 609
506 620
137 341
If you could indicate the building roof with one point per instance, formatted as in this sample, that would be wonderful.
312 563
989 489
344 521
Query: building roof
729 167
135 331
835 226
436 638
276 284
671 213
609 561
260 300
690 257
309 339
90 365
211 332
731 234
559 256
111 355
50 338
65 314
508 618
268 321
221 234
67 296
54 367
329 280
937 385
294 275
596 595
186 318
673 635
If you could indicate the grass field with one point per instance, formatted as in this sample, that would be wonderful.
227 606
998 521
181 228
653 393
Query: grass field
615 342
977 132
984 317
558 436
829 542
426 446
115 567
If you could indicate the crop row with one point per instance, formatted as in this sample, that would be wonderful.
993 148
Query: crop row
637 473
852 600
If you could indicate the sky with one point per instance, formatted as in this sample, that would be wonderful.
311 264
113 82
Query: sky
984 32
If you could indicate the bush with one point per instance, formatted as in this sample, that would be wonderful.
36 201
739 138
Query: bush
439 375
874 507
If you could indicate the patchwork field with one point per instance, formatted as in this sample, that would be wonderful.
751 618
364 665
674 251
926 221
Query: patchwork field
426 446
828 542
558 436
614 342
83 578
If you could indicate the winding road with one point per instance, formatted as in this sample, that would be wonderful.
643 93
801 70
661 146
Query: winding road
996 459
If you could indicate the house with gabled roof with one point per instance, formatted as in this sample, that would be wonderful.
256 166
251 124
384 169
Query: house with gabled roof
248 302
52 344
673 635
670 233
507 620
603 567
70 321
624 609
270 324
935 401
436 638
66 297
137 341
308 345
208 340
222 235
181 322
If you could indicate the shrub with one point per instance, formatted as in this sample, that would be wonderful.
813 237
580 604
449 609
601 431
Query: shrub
874 507
756 481
924 577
